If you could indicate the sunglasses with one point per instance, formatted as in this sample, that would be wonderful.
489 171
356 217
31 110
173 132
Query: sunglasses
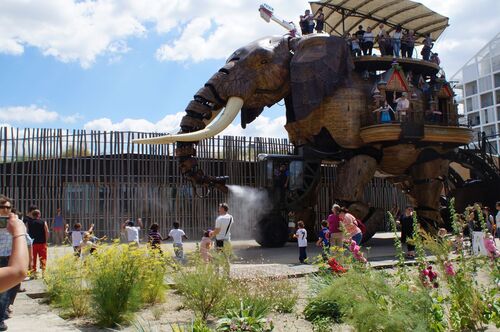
5 207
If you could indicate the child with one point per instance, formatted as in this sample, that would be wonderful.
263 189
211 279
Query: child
323 239
155 237
39 232
132 231
86 246
490 246
177 235
356 49
205 245
301 236
77 236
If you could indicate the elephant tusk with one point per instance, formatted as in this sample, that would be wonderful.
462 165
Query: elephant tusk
229 113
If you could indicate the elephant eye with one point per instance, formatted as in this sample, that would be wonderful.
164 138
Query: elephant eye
264 61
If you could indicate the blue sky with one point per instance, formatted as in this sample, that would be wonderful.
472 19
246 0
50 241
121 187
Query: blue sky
135 65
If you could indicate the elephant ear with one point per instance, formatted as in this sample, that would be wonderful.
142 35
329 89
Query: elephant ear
249 114
319 65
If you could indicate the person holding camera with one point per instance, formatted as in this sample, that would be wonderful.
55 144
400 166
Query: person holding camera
13 256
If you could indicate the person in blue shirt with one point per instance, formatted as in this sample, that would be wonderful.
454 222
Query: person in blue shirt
324 239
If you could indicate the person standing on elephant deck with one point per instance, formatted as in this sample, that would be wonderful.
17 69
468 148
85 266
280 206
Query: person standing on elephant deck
402 107
301 236
320 21
368 39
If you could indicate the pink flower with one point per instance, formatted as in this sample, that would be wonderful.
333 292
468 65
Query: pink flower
448 269
490 246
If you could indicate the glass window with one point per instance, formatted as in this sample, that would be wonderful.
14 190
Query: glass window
495 62
486 99
488 115
485 84
474 119
296 175
471 88
497 96
497 80
489 130
468 105
484 66
498 114
475 102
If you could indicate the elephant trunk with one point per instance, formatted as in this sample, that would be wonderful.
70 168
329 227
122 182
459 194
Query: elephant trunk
198 124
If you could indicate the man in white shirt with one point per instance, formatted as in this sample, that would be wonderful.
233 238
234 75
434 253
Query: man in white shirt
132 230
222 233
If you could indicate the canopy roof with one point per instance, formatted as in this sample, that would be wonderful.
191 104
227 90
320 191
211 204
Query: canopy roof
346 15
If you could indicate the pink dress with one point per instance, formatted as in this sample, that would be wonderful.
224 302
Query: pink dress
204 248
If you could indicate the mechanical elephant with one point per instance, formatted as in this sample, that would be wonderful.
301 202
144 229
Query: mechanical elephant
326 102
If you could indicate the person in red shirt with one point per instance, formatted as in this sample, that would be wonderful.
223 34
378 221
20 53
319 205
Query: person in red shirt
39 232
336 234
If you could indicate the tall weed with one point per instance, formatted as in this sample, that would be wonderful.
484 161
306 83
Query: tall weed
368 302
66 286
116 283
203 288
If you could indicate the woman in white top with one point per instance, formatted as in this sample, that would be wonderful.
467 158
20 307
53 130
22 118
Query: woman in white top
396 40
368 39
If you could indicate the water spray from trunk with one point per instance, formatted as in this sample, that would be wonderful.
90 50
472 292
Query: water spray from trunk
248 205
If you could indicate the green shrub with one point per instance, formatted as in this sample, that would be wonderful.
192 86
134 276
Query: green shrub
116 283
263 293
321 308
369 301
203 289
197 326
153 274
245 319
282 295
66 286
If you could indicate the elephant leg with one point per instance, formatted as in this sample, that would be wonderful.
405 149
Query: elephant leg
426 190
352 178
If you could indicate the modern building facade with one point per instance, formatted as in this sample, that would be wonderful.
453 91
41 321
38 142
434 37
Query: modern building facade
478 89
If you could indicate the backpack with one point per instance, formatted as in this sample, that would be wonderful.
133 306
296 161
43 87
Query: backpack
361 226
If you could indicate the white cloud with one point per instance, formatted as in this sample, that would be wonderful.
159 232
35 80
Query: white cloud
169 124
71 118
82 30
34 114
263 126
72 30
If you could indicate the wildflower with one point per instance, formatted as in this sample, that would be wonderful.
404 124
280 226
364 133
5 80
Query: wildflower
428 277
335 266
356 251
448 268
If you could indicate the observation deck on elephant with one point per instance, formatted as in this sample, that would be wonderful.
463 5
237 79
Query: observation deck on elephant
377 63
432 134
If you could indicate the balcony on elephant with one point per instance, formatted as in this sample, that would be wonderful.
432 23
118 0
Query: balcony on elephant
376 63
411 101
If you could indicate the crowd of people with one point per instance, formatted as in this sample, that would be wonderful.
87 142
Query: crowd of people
340 229
401 43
